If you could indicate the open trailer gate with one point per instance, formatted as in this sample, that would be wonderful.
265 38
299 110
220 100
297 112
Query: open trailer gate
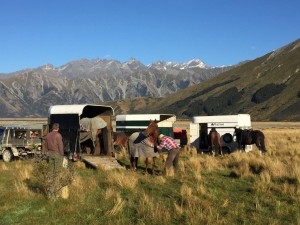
86 130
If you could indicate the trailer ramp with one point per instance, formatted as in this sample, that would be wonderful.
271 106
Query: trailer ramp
103 162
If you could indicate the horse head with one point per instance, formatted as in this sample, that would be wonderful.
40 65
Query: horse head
152 131
237 131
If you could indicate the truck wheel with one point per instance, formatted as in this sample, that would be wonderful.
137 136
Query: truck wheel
227 138
226 150
7 155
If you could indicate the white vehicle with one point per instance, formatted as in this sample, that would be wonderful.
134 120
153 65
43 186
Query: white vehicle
224 124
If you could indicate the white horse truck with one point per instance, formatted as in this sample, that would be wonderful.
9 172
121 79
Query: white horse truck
139 122
224 124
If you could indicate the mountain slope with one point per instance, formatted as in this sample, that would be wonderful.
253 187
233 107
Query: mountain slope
268 88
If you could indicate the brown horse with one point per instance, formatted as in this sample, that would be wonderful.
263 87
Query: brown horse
142 144
215 141
249 137
121 140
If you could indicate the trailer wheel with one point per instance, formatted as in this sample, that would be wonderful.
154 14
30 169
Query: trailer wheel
226 150
7 155
227 138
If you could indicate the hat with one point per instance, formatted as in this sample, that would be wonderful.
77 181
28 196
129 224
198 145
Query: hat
161 136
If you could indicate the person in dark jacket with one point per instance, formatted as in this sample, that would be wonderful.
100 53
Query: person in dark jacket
54 145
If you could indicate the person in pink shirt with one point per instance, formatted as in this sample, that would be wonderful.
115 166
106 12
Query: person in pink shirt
173 151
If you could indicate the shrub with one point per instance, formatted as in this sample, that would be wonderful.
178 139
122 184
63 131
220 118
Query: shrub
51 177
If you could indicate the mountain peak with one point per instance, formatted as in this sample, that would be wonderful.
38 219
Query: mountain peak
185 65
196 63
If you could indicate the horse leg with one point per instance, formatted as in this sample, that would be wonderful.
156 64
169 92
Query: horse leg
259 145
146 162
220 146
212 148
263 146
153 165
136 159
132 163
243 147
220 149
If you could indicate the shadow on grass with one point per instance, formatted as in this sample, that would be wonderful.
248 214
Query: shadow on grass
34 187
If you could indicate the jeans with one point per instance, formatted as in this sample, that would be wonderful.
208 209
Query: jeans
172 159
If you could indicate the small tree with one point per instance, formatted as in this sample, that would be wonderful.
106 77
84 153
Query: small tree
51 176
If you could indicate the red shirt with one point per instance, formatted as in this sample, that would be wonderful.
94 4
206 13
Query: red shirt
168 143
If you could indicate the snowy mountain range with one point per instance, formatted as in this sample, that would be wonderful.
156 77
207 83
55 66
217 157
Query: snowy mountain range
30 92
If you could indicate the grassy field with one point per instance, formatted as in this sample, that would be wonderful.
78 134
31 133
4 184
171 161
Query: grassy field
240 188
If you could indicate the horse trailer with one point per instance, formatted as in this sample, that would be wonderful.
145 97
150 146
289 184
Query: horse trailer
224 124
139 122
82 126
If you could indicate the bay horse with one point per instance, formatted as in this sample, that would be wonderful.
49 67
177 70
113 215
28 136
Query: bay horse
143 144
121 140
214 141
249 137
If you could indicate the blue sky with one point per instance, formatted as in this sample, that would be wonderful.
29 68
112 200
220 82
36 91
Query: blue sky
218 32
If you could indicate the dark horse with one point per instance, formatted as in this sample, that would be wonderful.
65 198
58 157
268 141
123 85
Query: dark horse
142 144
214 140
249 137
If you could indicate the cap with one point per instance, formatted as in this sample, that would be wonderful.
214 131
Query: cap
161 136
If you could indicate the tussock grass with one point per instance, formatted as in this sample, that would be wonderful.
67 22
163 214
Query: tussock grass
240 188
122 179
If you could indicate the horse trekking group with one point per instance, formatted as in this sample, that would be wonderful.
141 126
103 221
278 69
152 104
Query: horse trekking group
144 144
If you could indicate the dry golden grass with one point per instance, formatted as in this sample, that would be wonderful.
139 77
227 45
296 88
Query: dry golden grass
22 173
79 188
278 170
152 210
122 179
201 191
283 142
3 167
117 207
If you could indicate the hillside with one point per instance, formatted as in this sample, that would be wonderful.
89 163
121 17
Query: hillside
268 88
